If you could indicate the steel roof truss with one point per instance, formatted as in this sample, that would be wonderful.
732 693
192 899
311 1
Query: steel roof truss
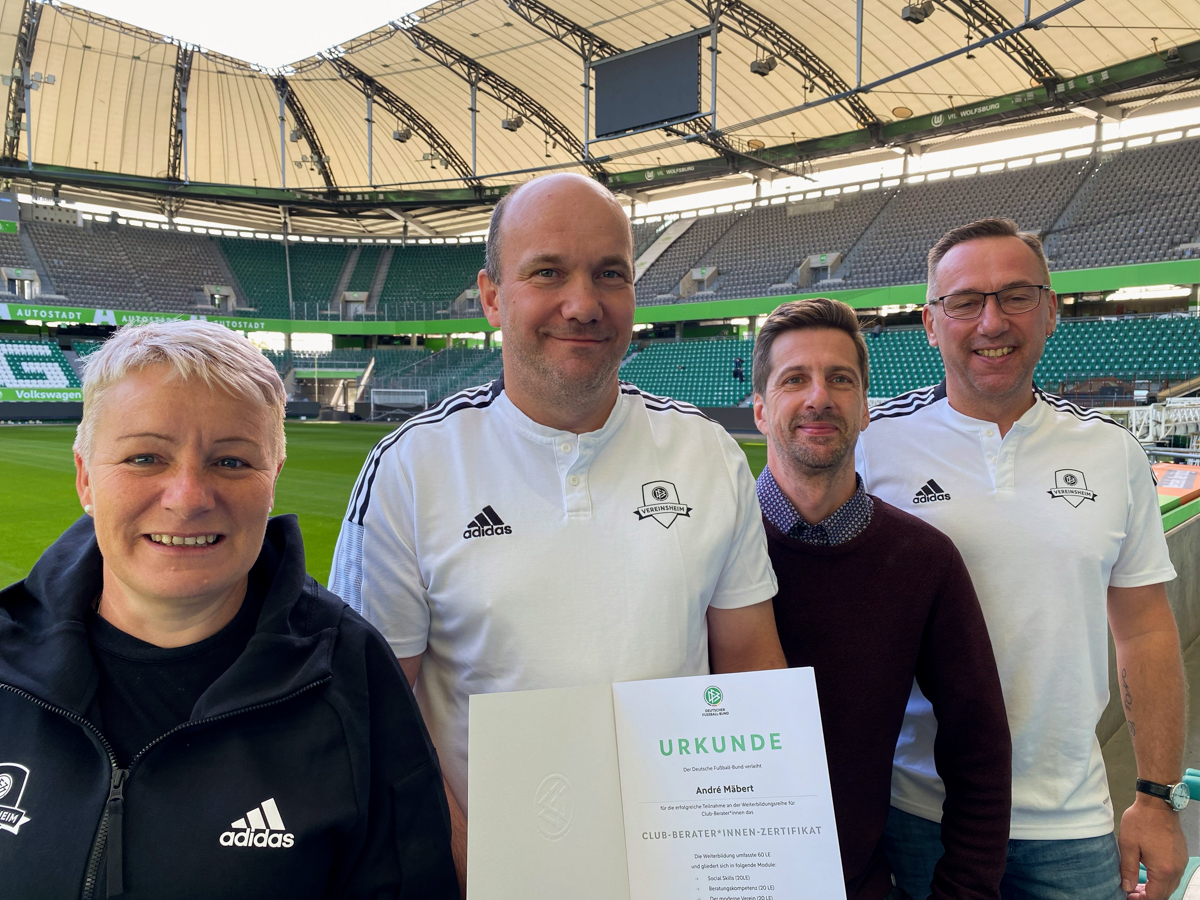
981 16
773 38
18 91
499 88
400 108
177 149
305 127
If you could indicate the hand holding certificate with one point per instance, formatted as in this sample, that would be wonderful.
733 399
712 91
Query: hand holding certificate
723 783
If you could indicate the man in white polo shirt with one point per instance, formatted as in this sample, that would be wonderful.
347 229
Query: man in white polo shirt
556 527
1055 513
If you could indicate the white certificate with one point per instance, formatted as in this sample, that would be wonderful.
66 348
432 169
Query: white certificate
725 788
704 788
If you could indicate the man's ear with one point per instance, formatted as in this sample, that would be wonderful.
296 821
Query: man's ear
927 321
489 298
760 414
1052 314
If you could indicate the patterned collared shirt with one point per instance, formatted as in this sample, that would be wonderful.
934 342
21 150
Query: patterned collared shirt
843 524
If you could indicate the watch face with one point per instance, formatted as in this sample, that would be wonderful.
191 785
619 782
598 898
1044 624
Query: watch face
1180 795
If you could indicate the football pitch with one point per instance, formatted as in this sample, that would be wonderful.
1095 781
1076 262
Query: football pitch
38 500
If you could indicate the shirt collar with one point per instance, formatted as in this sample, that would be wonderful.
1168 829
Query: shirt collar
842 525
546 434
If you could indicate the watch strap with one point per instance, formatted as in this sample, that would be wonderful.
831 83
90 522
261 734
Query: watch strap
1154 789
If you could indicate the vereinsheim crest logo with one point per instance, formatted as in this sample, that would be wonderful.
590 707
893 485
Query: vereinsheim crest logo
1072 487
713 696
660 501
12 785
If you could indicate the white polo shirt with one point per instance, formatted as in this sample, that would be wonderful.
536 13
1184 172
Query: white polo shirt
1046 518
518 557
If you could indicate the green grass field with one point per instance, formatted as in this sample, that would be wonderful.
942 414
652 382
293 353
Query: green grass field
38 500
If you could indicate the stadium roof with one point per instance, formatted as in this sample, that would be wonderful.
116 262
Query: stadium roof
112 120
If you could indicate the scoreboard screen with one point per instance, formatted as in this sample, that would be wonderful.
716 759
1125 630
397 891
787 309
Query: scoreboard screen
648 86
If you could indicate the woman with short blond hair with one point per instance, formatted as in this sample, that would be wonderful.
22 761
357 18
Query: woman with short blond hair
188 713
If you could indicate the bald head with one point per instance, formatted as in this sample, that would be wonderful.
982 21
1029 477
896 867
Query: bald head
550 194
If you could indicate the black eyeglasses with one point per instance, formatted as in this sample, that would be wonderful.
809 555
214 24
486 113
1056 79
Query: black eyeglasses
1014 301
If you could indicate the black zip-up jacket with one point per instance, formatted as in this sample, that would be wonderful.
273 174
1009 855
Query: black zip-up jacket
304 771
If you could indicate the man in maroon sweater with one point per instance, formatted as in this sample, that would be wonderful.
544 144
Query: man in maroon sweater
872 597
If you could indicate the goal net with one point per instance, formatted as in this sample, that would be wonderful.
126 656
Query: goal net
389 403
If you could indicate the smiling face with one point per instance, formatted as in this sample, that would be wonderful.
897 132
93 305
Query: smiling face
815 404
181 478
565 298
990 360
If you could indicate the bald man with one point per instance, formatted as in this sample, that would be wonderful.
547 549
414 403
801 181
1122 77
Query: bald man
556 527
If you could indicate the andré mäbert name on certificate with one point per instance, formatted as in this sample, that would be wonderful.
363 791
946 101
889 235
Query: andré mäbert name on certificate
725 788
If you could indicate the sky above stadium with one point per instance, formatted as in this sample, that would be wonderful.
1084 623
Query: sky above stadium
268 32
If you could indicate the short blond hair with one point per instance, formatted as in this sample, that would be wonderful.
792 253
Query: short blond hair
196 349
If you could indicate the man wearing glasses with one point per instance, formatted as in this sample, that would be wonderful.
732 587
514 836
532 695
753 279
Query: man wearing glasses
1054 511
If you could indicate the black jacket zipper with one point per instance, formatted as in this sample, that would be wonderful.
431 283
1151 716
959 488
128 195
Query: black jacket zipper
110 830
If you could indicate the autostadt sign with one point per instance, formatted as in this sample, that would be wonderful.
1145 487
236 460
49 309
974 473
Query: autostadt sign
113 317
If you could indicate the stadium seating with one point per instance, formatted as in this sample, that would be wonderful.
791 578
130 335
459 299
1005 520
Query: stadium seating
35 364
1131 206
12 253
447 371
1151 348
764 248
172 266
644 234
893 250
364 268
1139 206
260 268
700 372
84 349
89 266
423 279
664 276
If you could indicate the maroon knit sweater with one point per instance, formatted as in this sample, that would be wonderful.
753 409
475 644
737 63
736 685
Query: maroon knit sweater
869 615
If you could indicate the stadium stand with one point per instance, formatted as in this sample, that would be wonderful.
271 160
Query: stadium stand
424 279
172 265
90 267
364 268
1156 349
700 372
893 249
1140 205
644 234
447 371
766 247
1134 205
660 282
11 252
84 349
261 270
35 364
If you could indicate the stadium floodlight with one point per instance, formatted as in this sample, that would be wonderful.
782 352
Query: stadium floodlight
917 12
512 123
763 67
401 134
294 137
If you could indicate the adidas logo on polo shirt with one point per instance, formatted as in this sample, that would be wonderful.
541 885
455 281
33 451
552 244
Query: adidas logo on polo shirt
486 524
930 492
261 827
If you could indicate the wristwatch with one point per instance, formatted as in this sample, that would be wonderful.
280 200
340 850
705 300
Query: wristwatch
1176 795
